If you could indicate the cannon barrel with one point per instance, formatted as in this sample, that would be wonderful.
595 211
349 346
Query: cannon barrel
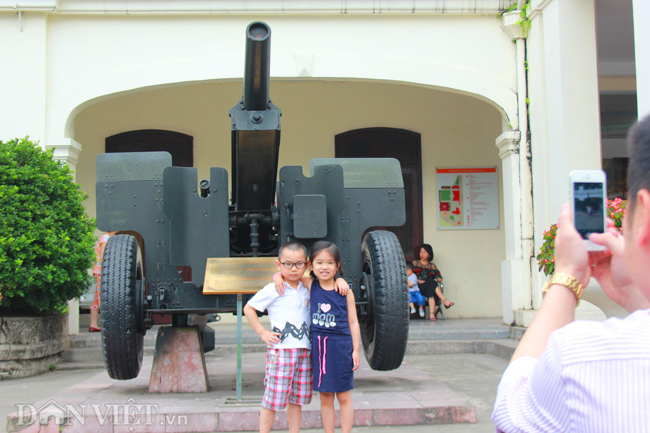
255 128
258 66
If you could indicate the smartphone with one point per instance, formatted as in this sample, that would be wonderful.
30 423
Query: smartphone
588 203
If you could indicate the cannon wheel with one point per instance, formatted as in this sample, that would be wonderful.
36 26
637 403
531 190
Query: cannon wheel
122 307
385 321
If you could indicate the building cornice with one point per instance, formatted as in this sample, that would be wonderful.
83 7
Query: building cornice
202 7
512 24
66 150
508 143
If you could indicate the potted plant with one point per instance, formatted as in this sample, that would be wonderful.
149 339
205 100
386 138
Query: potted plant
46 249
546 258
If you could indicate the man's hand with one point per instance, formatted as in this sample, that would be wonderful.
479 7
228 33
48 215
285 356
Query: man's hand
570 252
279 283
341 286
611 271
355 359
270 338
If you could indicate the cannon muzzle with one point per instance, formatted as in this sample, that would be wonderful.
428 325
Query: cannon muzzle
258 66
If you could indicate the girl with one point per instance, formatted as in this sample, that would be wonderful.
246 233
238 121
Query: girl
335 336
428 278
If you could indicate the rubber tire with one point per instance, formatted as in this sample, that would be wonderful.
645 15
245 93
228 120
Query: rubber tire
384 330
122 282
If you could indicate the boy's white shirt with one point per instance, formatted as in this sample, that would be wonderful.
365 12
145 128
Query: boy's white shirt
288 313
413 279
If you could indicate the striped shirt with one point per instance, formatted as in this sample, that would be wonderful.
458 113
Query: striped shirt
592 377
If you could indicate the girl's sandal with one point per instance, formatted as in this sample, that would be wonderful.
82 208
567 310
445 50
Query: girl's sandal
432 317
448 306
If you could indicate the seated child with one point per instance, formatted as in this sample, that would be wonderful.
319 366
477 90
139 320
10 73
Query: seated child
415 297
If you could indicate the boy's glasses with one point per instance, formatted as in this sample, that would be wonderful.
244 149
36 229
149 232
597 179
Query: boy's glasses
298 265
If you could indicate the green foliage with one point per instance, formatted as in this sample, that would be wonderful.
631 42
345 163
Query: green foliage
512 7
546 258
616 210
524 22
46 238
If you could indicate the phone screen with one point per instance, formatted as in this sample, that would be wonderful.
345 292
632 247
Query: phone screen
589 207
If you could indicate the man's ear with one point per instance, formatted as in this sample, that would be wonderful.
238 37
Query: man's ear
641 218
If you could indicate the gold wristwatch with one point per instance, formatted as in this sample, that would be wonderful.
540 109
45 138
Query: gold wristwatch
567 281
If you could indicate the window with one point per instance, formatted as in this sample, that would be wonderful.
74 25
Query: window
180 146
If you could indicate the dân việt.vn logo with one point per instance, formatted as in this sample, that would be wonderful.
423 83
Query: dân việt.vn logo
129 413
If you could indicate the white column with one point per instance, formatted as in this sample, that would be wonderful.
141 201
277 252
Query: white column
516 269
512 267
67 150
641 10
564 108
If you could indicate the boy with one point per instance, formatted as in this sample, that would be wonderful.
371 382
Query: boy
288 378
415 297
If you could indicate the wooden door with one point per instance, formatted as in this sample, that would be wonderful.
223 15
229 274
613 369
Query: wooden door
405 146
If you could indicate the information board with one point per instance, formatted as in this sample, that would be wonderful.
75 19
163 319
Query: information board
468 198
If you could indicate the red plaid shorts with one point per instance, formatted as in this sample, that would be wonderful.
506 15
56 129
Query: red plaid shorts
288 378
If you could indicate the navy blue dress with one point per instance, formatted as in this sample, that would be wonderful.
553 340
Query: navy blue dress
331 344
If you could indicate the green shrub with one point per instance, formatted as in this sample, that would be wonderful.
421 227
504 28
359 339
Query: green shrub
46 238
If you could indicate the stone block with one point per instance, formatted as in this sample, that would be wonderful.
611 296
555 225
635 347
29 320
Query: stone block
179 362
31 345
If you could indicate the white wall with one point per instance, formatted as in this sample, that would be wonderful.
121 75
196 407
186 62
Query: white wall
122 53
22 76
642 60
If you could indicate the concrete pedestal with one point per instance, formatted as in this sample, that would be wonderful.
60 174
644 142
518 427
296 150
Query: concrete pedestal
179 362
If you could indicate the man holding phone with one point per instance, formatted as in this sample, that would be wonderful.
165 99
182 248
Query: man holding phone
589 376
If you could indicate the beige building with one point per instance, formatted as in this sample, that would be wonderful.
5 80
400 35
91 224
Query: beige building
460 81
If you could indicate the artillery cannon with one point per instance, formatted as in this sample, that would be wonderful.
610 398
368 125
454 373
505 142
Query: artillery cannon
166 221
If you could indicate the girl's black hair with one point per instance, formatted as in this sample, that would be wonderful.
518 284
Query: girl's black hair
331 248
429 249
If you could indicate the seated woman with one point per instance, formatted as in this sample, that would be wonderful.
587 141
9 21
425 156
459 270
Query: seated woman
428 278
